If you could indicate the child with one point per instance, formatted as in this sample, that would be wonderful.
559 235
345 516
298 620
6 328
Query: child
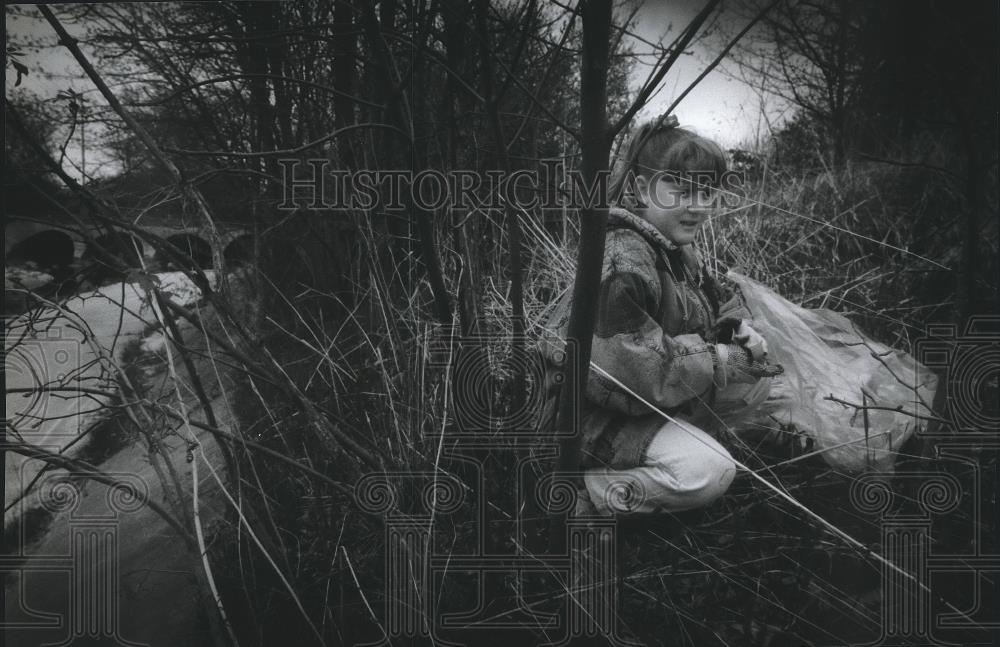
669 332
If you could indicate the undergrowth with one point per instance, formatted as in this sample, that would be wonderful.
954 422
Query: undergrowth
868 241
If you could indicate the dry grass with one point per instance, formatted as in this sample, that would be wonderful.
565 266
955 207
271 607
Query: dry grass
750 570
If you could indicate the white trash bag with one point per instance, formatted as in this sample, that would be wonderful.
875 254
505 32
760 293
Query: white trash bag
825 356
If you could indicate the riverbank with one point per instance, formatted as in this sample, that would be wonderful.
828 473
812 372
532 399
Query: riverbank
85 562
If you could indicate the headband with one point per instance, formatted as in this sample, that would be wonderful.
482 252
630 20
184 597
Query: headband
665 121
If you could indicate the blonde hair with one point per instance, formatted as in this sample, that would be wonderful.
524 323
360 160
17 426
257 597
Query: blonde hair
659 146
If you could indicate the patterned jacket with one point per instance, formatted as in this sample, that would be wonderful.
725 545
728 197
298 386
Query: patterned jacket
659 316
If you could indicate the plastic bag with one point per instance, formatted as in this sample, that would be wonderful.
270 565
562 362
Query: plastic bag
828 362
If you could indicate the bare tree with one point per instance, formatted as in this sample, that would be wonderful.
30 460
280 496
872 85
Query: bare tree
807 54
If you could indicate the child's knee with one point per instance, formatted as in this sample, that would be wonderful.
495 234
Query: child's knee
710 480
695 482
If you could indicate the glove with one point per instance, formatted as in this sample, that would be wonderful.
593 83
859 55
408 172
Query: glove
739 367
725 329
751 340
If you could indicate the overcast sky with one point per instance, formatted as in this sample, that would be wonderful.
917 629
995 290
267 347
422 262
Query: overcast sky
721 107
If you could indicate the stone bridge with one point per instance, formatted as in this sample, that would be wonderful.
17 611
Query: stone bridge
59 246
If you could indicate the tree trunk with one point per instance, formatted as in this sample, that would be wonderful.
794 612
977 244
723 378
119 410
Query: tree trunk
596 145
345 44
397 114
510 215
466 247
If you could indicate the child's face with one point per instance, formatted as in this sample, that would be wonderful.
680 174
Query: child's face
676 207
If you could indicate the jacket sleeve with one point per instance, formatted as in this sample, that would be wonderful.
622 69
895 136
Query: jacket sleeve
630 345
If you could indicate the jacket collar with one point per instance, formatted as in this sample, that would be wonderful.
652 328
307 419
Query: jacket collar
669 255
619 217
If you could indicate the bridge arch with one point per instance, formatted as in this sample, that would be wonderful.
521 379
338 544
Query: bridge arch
114 250
50 249
239 251
190 245
108 256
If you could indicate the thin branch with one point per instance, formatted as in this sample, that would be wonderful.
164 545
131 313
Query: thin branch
239 440
722 55
247 75
837 532
896 409
596 145
249 529
188 190
545 75
929 167
86 470
288 151
686 37
534 99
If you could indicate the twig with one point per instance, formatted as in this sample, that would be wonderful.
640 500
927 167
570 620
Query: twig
720 57
62 450
267 556
288 151
155 300
829 225
186 188
878 358
930 167
862 548
896 409
247 75
125 386
819 452
84 469
364 599
682 42
340 487
204 551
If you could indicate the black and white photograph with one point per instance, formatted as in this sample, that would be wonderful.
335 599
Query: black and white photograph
501 323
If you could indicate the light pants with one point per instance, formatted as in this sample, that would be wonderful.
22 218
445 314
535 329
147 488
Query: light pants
684 467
